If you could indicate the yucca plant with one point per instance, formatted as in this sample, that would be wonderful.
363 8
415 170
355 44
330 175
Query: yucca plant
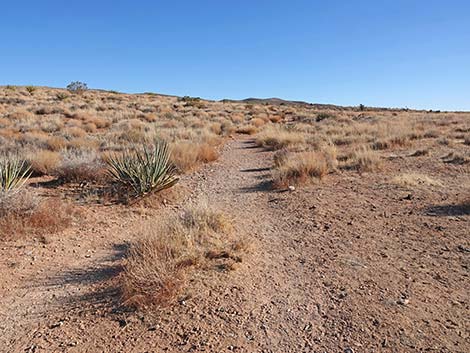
13 174
147 170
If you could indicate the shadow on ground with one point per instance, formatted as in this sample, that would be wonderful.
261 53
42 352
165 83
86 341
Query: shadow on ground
462 209
91 289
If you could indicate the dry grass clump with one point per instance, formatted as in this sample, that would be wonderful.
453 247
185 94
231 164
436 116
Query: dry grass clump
363 160
247 130
257 122
419 153
456 158
275 118
299 168
79 166
167 253
43 162
75 131
276 138
56 143
187 155
432 134
23 213
20 114
414 179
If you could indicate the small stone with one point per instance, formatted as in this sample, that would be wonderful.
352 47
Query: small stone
57 324
348 350
403 301
291 188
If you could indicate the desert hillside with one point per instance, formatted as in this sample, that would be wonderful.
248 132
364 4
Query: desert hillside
153 223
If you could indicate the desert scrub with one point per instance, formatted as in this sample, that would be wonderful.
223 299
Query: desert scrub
77 87
276 138
415 179
79 165
297 168
187 155
247 130
43 162
144 170
362 159
24 213
167 253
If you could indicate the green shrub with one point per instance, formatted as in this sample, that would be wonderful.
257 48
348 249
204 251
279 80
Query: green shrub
77 87
30 89
61 96
147 170
324 115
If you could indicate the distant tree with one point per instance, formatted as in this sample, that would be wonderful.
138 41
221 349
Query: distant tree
30 89
77 87
61 96
361 107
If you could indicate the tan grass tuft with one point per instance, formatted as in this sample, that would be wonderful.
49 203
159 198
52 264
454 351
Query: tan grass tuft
167 253
299 168
415 179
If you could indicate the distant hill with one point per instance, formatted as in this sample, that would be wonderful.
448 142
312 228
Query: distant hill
279 101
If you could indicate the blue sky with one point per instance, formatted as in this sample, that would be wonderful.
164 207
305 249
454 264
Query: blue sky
395 53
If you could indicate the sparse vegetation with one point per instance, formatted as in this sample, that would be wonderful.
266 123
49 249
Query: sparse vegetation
415 179
180 251
275 138
363 160
166 254
30 89
145 170
77 87
299 168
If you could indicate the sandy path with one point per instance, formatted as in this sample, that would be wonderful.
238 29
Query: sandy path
328 269
271 302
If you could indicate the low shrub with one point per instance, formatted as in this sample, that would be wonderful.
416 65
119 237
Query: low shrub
363 160
77 87
299 168
43 161
79 166
23 213
146 170
166 254
276 138
247 130
186 155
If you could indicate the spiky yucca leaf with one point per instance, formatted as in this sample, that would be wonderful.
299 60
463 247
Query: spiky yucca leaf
13 173
145 170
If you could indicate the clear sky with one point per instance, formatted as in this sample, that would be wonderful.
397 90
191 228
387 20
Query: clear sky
395 53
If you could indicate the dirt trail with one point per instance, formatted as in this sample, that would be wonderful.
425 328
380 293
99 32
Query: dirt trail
330 270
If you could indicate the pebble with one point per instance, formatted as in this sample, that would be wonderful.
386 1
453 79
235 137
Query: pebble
403 301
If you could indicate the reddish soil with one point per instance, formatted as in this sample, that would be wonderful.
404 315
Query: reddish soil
352 264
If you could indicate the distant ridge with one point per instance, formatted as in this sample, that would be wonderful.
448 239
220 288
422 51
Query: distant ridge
279 101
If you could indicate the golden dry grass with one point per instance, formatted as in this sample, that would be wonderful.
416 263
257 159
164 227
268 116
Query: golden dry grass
167 254
247 130
24 213
43 161
363 159
415 179
276 138
299 168
187 155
